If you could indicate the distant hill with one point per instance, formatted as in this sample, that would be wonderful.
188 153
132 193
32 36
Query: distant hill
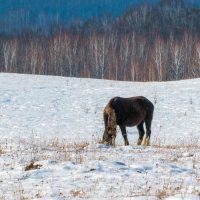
21 14
17 15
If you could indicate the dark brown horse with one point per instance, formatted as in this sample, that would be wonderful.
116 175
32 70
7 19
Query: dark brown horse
133 111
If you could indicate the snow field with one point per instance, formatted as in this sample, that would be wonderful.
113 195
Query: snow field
56 123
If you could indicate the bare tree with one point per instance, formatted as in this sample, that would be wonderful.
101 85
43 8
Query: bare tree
9 55
196 68
177 59
112 57
99 50
124 55
160 58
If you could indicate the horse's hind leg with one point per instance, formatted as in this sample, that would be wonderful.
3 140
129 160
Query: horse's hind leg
124 134
148 121
141 133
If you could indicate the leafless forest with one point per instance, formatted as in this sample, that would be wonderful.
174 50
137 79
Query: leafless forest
146 43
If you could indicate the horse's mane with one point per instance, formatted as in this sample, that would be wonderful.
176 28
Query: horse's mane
111 116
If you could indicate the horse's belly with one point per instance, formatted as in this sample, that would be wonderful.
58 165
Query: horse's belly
132 122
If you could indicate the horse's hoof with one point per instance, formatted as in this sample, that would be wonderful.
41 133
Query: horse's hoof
126 143
146 141
139 142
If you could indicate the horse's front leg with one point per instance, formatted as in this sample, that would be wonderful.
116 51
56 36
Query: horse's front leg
141 133
124 134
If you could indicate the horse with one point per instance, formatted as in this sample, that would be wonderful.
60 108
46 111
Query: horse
128 112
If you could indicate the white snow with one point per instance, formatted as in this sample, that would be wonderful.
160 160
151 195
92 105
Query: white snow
57 123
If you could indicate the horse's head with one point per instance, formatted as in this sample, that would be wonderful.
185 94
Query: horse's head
110 126
109 136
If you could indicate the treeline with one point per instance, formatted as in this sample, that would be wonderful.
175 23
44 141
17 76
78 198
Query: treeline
146 43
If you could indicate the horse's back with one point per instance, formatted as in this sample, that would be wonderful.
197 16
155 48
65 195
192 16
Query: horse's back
132 110
138 101
146 103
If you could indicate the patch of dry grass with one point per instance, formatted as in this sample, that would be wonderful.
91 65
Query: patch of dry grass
32 166
1 150
77 193
61 150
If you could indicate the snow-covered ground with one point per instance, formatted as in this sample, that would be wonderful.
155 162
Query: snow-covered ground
55 123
